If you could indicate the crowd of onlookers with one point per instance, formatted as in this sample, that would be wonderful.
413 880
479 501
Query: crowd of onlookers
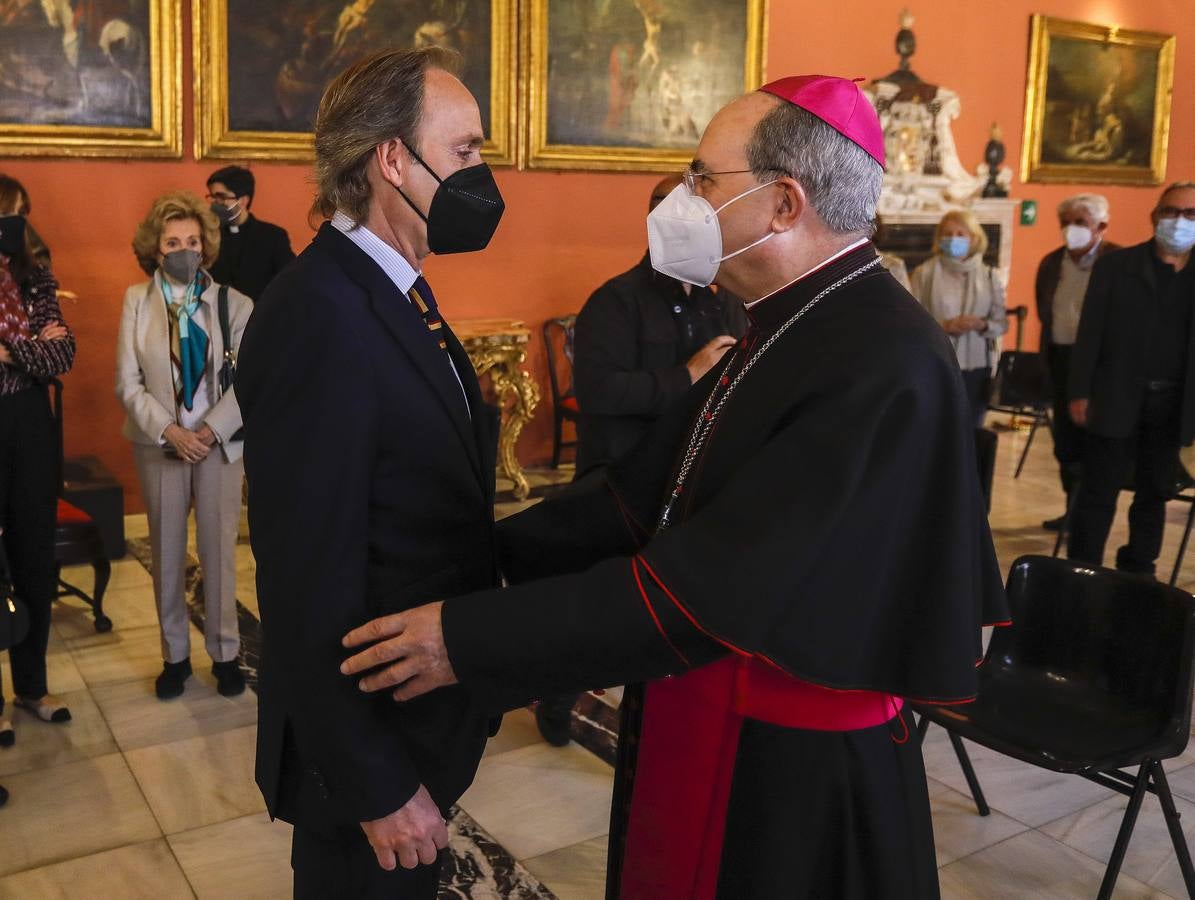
180 330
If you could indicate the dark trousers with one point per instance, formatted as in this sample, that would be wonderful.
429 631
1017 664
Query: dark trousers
977 382
1107 463
1068 437
338 864
28 511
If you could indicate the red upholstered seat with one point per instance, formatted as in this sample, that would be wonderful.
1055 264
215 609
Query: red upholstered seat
570 403
68 514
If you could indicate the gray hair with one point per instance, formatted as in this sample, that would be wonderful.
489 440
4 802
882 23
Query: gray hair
1177 186
373 101
1095 204
840 178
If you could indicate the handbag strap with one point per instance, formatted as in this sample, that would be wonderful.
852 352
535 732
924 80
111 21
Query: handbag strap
225 330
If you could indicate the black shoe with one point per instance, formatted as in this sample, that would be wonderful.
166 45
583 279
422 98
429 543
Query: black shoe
1054 524
170 683
230 681
553 715
3 795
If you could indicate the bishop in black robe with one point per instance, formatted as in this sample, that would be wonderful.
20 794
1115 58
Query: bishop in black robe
783 584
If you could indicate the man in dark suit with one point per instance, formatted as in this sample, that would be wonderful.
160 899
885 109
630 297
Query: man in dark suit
370 460
1060 286
252 252
1132 384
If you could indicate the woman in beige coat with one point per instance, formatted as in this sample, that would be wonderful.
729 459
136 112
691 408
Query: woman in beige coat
184 428
966 296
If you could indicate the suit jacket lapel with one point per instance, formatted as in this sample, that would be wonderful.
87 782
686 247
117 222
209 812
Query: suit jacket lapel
407 327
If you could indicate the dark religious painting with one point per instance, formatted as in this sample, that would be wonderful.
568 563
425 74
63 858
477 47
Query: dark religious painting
89 77
1098 105
264 64
631 84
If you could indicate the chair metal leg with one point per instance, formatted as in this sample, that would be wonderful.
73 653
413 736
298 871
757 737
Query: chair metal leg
964 761
1028 444
557 434
1126 832
1174 823
1065 529
103 571
922 728
1182 547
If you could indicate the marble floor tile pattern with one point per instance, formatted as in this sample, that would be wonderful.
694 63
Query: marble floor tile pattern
137 798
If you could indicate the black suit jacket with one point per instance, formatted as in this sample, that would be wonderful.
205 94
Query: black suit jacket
370 492
1109 361
1045 286
249 260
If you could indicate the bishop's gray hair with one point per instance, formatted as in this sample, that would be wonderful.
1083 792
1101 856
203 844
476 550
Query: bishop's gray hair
840 178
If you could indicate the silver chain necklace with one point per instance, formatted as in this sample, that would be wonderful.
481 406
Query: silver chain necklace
708 416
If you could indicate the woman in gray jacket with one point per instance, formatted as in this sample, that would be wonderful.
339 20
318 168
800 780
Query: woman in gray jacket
184 427
966 296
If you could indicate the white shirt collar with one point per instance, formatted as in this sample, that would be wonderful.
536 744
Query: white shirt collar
390 261
825 262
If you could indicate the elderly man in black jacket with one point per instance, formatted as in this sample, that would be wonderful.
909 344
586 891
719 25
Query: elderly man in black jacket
1132 383
643 339
1059 289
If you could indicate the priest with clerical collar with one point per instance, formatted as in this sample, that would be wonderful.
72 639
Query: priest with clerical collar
785 563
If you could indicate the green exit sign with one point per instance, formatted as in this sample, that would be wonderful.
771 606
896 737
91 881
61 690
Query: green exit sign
1028 212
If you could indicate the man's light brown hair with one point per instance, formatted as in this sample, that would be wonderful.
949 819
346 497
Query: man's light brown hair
376 100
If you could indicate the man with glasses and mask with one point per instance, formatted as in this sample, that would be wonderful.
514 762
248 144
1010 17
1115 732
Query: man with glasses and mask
370 460
802 545
1132 385
252 252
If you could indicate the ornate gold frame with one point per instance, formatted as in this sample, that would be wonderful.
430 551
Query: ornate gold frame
1044 29
163 138
214 139
533 59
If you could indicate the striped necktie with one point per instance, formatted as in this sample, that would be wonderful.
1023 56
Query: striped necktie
425 301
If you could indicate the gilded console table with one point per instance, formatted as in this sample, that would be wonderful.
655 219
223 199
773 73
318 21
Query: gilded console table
498 347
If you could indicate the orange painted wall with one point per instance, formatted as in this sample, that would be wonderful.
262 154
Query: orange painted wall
565 233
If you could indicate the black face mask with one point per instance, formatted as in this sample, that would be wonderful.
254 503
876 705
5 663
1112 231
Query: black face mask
465 210
12 235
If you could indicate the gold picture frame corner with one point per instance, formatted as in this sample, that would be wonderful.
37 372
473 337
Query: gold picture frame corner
1033 170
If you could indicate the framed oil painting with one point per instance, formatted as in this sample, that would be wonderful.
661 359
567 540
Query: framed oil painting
631 84
1097 105
258 84
90 78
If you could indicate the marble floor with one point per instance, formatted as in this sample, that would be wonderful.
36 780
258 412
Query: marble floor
138 798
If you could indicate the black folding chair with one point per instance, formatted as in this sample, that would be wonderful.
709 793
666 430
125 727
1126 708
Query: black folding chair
1022 388
77 536
1093 677
558 342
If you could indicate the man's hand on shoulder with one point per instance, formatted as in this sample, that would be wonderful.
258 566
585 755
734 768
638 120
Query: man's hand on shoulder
410 836
411 647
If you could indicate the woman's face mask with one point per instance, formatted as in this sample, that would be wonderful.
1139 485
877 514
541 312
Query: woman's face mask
182 265
955 246
684 236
